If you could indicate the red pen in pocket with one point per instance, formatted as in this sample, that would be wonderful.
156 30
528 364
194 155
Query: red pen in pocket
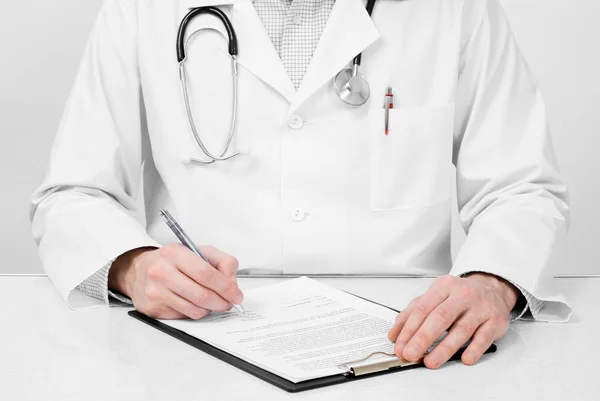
388 104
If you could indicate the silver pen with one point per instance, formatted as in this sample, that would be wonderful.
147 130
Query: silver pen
185 240
387 105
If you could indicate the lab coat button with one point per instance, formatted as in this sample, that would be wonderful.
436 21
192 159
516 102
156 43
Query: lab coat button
297 19
295 121
298 215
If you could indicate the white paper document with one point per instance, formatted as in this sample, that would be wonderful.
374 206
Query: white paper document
299 329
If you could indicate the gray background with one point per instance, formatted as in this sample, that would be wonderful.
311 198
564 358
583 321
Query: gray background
41 43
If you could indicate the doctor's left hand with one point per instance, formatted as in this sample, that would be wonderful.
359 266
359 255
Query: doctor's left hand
174 283
477 307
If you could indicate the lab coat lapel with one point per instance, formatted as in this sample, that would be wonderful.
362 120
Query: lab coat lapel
348 32
256 51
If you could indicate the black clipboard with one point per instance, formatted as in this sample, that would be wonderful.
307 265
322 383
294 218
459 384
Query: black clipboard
272 378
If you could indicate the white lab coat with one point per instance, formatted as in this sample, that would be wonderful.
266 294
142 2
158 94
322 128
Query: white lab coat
319 188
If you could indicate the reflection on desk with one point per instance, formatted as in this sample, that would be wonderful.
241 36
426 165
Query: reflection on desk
49 352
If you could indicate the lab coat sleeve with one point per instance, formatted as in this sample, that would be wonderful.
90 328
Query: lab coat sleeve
87 211
512 200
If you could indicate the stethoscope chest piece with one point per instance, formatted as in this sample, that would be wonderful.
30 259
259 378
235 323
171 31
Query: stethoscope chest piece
352 87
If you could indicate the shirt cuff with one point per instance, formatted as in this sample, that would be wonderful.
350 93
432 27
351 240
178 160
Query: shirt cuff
115 296
96 286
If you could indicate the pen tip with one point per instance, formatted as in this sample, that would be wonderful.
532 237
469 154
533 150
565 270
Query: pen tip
239 308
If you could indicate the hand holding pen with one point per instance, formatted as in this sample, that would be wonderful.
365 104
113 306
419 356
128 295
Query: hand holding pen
174 283
187 241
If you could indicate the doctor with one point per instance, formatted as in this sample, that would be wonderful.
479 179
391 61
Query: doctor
318 186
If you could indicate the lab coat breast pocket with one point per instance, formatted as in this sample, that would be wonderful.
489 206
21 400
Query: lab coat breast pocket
411 166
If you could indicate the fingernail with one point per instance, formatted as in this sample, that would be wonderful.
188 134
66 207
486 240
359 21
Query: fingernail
468 357
434 361
411 353
399 347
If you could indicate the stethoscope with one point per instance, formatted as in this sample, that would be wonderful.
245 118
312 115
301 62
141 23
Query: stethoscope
349 84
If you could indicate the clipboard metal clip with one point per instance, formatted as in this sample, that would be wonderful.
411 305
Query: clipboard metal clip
384 362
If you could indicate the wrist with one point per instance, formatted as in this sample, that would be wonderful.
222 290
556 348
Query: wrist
507 291
122 272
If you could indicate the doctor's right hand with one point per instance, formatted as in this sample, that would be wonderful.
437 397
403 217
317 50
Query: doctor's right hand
174 283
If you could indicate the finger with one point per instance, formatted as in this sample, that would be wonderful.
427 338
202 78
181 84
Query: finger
193 292
158 311
483 338
203 273
226 264
172 314
426 304
160 297
167 275
432 328
394 332
184 306
459 334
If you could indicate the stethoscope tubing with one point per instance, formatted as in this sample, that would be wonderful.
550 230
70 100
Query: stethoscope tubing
182 45
181 41
346 92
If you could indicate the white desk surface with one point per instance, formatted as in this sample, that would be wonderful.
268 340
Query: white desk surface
48 352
